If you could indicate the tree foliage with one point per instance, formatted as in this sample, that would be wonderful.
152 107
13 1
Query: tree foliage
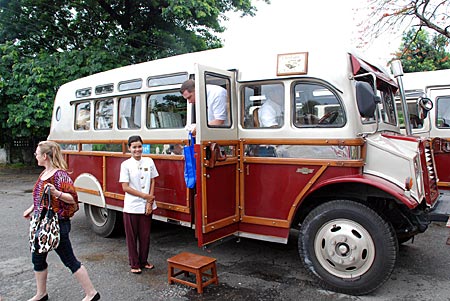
44 44
419 52
393 15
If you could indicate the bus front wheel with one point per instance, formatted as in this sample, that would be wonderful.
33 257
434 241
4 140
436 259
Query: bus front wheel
104 222
348 247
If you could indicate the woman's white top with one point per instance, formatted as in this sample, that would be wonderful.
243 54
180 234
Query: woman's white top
138 175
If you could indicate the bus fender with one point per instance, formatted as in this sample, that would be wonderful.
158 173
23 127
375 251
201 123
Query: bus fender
89 190
374 181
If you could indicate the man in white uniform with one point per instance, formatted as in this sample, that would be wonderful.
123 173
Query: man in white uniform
216 98
271 112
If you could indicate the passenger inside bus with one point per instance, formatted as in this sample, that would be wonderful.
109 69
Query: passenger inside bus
271 112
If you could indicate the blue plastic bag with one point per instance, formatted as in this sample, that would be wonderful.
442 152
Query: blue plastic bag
189 163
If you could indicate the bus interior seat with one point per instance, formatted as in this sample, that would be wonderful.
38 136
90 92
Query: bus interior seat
255 116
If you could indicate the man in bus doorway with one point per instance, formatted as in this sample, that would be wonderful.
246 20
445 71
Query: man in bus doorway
216 100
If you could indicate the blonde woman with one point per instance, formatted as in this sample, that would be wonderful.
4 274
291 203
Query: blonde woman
65 204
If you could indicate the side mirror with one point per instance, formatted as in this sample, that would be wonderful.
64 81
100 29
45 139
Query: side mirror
424 106
366 99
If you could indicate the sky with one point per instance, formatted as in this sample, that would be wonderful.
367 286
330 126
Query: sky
332 23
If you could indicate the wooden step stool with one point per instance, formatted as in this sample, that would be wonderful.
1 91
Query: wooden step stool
195 264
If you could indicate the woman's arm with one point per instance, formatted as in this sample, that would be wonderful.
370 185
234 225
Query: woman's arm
60 195
27 213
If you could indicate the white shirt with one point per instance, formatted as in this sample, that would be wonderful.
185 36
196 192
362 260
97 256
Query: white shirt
270 114
217 103
138 175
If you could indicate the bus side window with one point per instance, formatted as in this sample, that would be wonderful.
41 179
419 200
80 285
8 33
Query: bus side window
83 116
315 105
264 106
129 116
443 112
104 114
166 110
218 101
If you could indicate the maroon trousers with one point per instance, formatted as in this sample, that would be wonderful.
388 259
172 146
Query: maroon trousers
137 231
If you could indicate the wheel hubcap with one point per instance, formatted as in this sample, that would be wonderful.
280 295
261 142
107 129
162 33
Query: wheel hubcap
99 215
344 248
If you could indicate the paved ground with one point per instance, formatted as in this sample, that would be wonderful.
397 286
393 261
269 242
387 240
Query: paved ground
247 269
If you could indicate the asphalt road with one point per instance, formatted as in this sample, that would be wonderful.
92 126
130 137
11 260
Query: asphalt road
247 269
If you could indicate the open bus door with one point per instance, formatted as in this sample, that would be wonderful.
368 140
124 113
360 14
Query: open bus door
217 195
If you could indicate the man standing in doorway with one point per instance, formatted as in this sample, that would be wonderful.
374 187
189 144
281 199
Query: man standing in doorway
216 100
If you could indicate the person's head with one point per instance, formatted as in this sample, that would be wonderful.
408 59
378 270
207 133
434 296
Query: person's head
48 154
275 93
188 90
135 146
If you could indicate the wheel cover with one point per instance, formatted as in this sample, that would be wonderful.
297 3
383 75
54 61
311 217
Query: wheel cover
99 216
344 248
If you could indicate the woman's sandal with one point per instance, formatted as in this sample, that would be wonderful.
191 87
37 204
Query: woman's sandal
136 271
149 266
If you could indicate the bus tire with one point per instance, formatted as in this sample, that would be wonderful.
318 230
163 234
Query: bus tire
347 247
104 222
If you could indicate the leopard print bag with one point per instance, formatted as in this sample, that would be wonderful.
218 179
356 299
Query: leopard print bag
44 228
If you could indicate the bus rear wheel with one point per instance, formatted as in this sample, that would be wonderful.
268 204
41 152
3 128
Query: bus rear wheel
104 222
348 247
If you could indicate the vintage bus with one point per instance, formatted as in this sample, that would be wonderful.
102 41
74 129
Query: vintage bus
334 167
433 85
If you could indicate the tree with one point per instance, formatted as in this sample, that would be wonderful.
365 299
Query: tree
44 44
394 15
151 29
419 53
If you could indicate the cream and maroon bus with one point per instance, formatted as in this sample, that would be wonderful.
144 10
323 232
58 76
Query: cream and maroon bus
335 167
435 86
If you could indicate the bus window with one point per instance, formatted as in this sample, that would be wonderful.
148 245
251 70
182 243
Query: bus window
166 110
315 105
104 114
443 112
218 100
83 116
388 111
264 106
129 116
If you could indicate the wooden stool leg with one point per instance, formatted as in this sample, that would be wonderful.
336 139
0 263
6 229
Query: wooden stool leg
170 274
214 274
199 281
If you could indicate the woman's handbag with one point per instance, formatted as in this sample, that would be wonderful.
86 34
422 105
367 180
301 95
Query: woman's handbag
189 163
44 227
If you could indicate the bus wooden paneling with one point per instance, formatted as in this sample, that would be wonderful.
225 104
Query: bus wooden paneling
442 161
112 172
79 164
219 206
270 190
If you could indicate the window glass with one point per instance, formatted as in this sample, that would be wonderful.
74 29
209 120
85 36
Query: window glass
388 107
129 116
218 100
166 110
130 85
104 89
104 114
263 106
82 116
316 105
443 112
414 119
83 92
171 79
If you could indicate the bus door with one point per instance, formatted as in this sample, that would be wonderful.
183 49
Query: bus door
217 210
440 117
